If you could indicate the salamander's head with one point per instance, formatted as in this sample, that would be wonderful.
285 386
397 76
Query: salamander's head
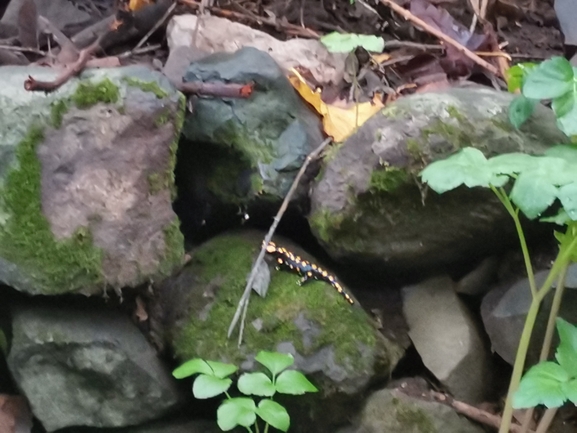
271 248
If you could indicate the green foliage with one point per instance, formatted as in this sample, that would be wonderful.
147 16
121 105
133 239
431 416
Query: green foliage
346 42
212 380
552 383
554 80
539 180
87 94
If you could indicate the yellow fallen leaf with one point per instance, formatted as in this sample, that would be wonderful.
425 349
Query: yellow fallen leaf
380 58
338 122
134 5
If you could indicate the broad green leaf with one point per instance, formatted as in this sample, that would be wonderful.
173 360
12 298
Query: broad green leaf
274 361
512 163
533 194
568 196
256 384
198 365
551 79
520 110
274 414
517 74
567 123
563 104
542 384
570 390
561 218
568 340
206 386
346 42
236 411
293 382
469 166
562 151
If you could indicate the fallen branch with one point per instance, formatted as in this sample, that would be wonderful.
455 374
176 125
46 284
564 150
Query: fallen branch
440 35
219 90
71 71
243 303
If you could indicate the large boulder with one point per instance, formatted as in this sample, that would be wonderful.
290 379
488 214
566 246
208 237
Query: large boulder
86 180
334 343
369 205
80 365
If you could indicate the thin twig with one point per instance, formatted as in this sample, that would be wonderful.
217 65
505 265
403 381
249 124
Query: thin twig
437 33
136 51
247 290
156 26
409 44
23 50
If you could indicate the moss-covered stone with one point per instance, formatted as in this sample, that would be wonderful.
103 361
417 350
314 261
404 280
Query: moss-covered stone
226 261
388 179
150 86
173 241
57 111
87 93
26 237
413 419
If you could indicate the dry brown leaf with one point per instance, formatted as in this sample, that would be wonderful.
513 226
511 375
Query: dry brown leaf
338 122
134 5
15 416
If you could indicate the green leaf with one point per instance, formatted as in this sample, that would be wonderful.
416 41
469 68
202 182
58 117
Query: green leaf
561 218
517 74
562 151
346 42
274 361
206 386
533 193
551 79
568 196
542 384
563 104
512 163
236 411
256 384
566 354
274 414
198 365
293 382
469 166
570 390
520 110
567 123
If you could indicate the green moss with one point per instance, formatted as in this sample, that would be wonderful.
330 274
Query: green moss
162 119
151 86
88 94
156 183
227 260
387 179
57 111
413 419
414 148
27 239
325 223
173 249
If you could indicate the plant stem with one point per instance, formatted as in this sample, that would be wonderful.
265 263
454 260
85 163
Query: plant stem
504 199
266 428
546 420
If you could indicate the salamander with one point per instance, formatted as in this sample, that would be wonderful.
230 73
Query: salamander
287 260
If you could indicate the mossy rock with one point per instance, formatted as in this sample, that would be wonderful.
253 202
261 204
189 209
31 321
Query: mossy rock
369 204
334 343
78 212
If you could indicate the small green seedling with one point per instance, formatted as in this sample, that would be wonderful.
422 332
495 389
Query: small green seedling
552 383
213 379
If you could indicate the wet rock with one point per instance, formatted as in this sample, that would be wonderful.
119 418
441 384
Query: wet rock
505 308
86 366
392 411
448 339
87 180
246 149
334 344
170 426
368 205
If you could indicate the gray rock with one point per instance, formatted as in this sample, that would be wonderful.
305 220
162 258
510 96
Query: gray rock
87 180
85 366
447 338
505 308
256 145
335 344
369 206
392 411
168 426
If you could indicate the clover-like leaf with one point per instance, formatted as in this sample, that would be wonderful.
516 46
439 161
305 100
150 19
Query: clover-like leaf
198 365
274 414
533 193
551 79
236 411
256 384
346 42
568 196
275 361
512 163
293 382
561 218
517 74
566 121
521 109
566 354
206 386
563 151
469 166
570 390
542 384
